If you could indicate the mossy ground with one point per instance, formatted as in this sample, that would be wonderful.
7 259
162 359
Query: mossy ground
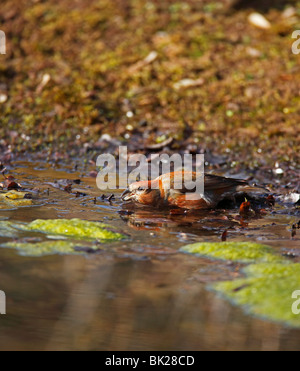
73 71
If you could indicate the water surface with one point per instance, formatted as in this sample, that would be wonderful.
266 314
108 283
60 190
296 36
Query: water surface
138 294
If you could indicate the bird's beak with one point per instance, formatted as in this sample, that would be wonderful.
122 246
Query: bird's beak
126 195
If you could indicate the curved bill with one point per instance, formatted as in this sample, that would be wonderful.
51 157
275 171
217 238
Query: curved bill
126 195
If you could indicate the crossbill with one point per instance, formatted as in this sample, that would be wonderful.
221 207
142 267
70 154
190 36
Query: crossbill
166 192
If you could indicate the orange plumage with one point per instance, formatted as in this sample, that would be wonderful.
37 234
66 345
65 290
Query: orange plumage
165 191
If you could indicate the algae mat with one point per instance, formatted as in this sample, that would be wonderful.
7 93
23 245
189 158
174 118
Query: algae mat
242 252
62 235
75 228
267 291
270 287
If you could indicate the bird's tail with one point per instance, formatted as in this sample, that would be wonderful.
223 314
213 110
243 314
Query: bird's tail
252 189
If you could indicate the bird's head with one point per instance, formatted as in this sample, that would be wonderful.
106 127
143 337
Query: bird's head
143 193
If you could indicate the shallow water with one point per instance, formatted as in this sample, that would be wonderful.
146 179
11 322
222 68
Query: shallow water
138 294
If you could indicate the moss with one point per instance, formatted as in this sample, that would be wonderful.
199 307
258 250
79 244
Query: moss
44 248
91 77
243 252
75 228
266 291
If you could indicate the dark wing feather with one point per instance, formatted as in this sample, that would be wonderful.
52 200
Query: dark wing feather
215 182
211 183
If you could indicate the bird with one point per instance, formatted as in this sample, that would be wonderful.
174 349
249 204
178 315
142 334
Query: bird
165 191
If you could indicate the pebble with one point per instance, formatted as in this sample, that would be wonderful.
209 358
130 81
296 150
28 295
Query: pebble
259 21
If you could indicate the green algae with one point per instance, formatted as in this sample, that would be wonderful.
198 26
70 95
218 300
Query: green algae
270 280
266 291
44 248
14 199
242 252
76 228
63 234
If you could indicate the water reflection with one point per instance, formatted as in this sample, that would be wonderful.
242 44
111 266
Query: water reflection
201 223
108 303
136 295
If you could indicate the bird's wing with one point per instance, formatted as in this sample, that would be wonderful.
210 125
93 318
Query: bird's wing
186 182
214 182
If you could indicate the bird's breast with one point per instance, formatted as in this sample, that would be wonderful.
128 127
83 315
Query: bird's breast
184 202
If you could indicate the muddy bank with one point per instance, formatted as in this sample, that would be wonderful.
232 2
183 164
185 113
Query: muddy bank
196 75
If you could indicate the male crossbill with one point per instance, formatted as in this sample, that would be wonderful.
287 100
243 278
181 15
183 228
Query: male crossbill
165 191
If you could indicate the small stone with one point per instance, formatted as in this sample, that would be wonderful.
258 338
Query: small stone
3 98
259 21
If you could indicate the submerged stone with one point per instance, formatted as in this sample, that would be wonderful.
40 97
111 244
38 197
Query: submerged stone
7 229
44 248
242 252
